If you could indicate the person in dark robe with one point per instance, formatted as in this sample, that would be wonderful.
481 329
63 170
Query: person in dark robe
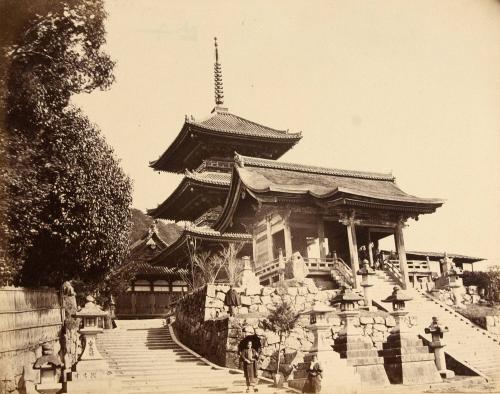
314 377
249 358
232 300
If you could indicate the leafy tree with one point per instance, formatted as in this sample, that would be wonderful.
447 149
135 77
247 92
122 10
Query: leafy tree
282 321
66 208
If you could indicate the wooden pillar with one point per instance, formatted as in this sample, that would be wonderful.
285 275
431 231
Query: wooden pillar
400 246
353 252
269 237
288 236
370 248
321 238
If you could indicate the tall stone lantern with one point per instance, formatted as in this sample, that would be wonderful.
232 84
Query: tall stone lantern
367 274
348 301
353 345
92 371
454 275
336 373
437 330
406 359
92 317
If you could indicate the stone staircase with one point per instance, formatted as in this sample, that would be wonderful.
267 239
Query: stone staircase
466 342
145 360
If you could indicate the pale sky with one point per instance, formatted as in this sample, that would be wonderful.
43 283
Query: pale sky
411 87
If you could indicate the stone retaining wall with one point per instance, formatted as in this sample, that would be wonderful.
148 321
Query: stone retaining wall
202 323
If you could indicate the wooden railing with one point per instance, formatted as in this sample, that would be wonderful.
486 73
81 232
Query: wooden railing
313 264
392 267
268 269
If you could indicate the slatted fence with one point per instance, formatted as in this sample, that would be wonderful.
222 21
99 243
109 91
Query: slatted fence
28 317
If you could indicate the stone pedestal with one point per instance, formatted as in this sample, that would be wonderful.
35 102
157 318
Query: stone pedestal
338 376
295 268
249 281
359 352
407 361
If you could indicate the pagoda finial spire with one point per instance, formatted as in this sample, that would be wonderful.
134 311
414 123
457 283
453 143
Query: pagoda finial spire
219 90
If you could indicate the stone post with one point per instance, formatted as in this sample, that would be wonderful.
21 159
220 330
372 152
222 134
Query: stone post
437 344
366 283
249 281
454 274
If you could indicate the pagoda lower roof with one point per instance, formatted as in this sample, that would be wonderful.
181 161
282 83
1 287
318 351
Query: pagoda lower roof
221 135
196 193
176 252
269 181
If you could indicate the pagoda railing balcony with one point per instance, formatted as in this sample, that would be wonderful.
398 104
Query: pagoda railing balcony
215 165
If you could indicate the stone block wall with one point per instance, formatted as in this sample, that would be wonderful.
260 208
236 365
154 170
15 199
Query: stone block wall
202 323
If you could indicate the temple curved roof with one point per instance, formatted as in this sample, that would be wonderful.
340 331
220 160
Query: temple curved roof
196 193
219 136
177 253
272 182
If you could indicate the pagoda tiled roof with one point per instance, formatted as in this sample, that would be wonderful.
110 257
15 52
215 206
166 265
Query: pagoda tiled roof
220 135
217 182
227 122
209 177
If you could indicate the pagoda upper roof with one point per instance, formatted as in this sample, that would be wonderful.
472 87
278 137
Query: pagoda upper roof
197 192
272 182
220 135
174 254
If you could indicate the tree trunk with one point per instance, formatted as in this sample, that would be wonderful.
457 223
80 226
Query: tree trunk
279 353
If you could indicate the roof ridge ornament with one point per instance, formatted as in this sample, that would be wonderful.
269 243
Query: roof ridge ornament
219 89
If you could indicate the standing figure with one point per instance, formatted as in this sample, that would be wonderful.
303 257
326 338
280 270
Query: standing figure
314 377
249 358
232 300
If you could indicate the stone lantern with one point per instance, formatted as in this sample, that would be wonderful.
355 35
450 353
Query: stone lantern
398 299
319 325
348 301
92 316
367 273
92 372
336 373
48 365
437 344
454 275
353 345
406 359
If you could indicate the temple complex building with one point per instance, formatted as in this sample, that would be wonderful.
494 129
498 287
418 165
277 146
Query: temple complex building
322 213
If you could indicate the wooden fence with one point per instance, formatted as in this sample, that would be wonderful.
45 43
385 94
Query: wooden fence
28 317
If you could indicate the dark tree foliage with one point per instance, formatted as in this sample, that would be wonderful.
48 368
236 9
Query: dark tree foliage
65 200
